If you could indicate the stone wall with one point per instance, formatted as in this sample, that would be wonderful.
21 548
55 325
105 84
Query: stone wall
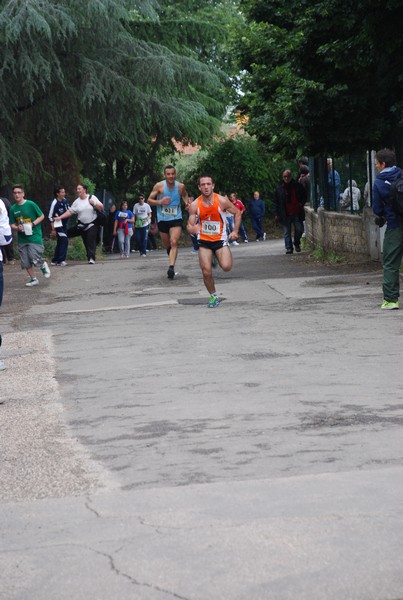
344 232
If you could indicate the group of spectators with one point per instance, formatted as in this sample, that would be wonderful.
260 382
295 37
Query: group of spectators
25 218
122 224
142 224
350 198
256 209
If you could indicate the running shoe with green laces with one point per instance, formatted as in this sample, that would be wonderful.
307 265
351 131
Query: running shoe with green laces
45 270
214 301
389 305
32 282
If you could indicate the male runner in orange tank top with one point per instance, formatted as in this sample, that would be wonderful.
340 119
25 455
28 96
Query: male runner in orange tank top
207 221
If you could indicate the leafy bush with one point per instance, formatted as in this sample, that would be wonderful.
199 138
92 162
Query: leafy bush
89 183
49 248
239 164
76 250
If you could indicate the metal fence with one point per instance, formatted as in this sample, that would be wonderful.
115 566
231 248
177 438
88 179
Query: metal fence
342 184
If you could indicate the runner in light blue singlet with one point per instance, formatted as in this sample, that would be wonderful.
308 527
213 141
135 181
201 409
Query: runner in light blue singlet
167 196
172 211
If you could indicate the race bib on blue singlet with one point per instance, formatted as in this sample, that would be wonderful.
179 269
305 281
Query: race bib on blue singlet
169 211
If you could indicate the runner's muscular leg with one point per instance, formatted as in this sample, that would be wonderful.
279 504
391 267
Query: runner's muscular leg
224 258
205 258
174 235
164 239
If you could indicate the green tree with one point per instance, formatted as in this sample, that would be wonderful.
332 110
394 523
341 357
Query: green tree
81 86
323 77
198 32
239 164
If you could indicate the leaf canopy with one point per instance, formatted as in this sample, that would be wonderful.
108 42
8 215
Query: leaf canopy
89 77
323 77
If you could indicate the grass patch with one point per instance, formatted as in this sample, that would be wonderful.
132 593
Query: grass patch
330 257
304 243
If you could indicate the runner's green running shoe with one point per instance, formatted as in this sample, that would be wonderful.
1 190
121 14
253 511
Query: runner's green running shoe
214 301
389 305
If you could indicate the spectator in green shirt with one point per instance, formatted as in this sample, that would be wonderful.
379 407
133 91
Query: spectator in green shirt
25 219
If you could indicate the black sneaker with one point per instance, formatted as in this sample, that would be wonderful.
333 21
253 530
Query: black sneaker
289 252
298 248
171 272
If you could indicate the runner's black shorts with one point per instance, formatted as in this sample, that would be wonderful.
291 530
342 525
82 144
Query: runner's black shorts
213 246
165 226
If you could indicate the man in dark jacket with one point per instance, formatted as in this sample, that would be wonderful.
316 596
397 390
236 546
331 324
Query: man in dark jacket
385 162
289 200
256 209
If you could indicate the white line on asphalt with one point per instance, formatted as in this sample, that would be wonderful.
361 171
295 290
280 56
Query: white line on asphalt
108 308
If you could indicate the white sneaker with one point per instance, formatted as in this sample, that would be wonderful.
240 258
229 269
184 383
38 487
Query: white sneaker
63 264
33 282
45 270
91 261
264 237
246 241
52 264
234 243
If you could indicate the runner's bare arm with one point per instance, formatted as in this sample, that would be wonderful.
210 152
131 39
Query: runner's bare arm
237 222
184 194
156 191
192 227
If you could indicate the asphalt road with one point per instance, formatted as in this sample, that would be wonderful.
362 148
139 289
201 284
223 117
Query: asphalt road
153 448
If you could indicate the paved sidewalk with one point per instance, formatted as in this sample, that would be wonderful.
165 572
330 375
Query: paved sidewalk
153 448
